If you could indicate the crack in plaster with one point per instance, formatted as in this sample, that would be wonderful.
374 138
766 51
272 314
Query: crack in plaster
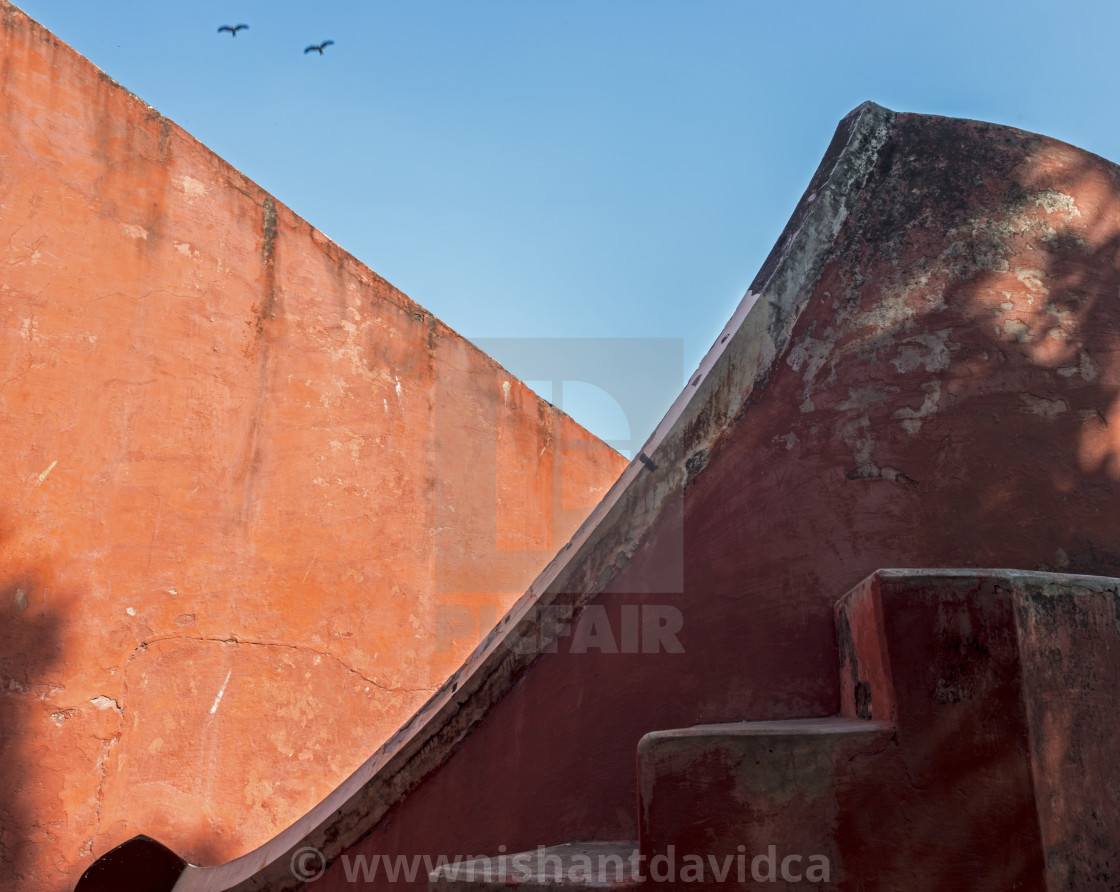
101 702
143 646
914 785
86 850
104 702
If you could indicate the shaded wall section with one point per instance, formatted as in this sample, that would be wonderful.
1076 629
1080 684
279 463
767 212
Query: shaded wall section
924 374
242 473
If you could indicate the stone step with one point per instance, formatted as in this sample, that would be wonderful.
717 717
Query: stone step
575 866
733 803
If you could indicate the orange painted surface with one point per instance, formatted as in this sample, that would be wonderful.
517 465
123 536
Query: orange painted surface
245 482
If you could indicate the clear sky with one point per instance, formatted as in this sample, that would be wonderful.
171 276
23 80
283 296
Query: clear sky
581 168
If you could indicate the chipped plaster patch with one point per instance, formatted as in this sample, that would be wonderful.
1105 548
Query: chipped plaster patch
1017 329
856 434
1092 417
353 444
894 475
911 418
932 390
134 231
191 188
1052 201
893 311
1032 278
809 353
1067 319
103 702
866 397
789 440
29 329
1040 405
928 351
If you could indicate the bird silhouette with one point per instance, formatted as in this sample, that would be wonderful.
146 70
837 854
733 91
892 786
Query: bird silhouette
232 31
320 47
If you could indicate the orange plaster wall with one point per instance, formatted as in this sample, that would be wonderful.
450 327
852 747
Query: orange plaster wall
245 482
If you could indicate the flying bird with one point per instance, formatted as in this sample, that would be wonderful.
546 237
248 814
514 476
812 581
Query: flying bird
319 47
233 31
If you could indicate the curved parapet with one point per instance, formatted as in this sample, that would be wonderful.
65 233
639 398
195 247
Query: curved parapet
924 374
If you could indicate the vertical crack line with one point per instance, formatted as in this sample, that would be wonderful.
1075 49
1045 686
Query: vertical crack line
102 774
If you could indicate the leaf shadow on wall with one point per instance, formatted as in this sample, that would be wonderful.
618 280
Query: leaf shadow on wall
29 651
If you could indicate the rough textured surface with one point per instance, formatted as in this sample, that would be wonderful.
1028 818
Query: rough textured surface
726 793
975 771
575 866
247 485
1069 645
926 375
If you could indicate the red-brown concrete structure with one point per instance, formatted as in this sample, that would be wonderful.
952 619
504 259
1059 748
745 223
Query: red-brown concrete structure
924 374
250 489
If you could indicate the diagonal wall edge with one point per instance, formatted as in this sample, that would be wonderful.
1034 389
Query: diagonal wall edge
737 364
246 483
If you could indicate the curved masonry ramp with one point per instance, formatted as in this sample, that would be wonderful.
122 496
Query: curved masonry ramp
925 373
648 497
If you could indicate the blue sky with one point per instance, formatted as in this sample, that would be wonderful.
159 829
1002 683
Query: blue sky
614 169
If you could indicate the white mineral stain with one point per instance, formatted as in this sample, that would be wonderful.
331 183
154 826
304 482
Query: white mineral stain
43 476
218 699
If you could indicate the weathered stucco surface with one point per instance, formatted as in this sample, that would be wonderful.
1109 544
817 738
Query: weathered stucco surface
969 753
924 374
248 486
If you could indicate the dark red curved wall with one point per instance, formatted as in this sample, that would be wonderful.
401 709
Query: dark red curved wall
948 399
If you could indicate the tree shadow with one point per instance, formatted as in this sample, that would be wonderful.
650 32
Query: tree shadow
985 263
986 260
30 630
50 830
